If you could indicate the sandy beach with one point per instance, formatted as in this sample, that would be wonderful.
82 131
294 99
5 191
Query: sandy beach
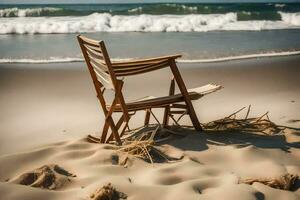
48 109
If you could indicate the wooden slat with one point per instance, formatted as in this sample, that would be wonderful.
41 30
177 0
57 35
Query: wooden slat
179 106
94 54
142 70
177 111
162 58
158 102
105 83
137 66
104 78
88 41
97 49
101 72
98 63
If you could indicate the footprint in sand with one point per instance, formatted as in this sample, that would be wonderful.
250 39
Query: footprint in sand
47 177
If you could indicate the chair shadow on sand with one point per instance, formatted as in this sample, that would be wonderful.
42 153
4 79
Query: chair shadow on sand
196 141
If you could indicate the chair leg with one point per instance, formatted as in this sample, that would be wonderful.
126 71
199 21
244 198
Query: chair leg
118 125
125 117
114 130
167 108
185 94
166 116
147 118
124 128
194 118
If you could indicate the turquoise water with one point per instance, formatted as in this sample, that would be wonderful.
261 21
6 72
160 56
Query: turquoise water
47 33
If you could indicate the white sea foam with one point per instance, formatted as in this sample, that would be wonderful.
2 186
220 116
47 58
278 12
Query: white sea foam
291 18
207 60
189 8
141 23
242 57
246 13
18 12
41 61
279 5
138 9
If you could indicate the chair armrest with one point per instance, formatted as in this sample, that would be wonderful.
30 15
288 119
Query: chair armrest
145 61
140 66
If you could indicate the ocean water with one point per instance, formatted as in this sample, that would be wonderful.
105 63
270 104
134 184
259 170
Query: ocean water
201 32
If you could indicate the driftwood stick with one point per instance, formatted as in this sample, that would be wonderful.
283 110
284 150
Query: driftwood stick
258 119
147 152
248 111
236 112
153 134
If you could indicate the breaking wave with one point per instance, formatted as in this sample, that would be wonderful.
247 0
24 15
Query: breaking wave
142 23
279 5
28 12
57 11
291 18
207 60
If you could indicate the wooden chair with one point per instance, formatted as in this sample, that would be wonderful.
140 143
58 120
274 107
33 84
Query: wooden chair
107 75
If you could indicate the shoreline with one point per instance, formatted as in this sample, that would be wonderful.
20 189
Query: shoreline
183 61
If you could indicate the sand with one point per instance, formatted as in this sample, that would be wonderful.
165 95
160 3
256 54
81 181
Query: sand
46 113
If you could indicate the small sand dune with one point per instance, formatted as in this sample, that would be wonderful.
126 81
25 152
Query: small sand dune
211 167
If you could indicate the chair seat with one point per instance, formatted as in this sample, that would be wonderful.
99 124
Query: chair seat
159 102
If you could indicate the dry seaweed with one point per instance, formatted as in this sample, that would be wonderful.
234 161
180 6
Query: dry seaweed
143 149
285 182
261 124
107 192
143 146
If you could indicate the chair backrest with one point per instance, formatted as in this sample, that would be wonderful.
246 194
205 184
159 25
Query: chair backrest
98 61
